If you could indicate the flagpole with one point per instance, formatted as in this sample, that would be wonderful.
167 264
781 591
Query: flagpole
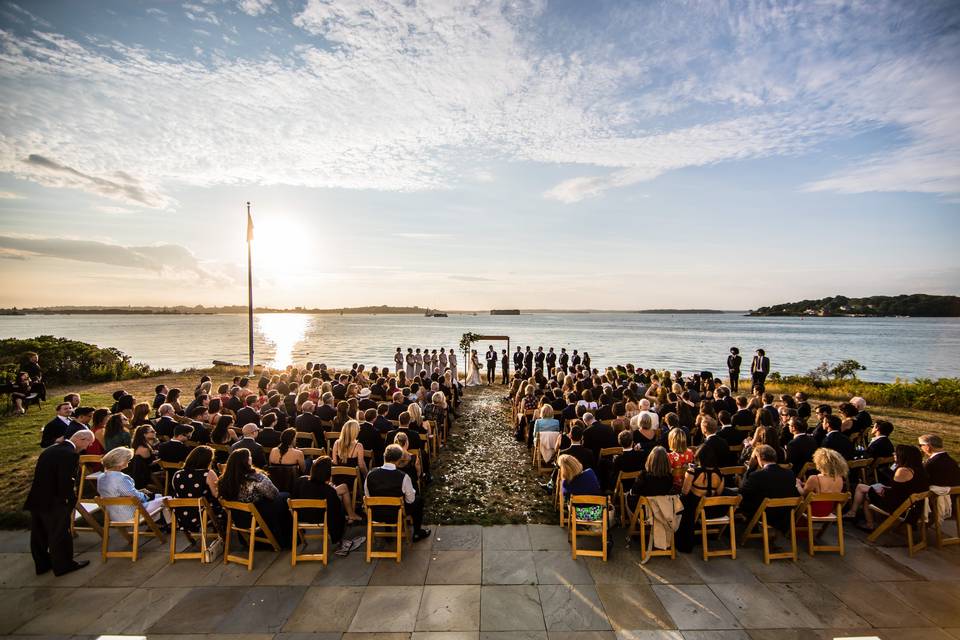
250 286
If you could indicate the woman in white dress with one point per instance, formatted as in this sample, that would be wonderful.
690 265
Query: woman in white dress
452 360
473 372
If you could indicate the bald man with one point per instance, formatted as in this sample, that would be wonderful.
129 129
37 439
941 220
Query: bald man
249 441
51 502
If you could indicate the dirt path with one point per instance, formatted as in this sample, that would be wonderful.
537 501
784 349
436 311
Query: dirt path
484 476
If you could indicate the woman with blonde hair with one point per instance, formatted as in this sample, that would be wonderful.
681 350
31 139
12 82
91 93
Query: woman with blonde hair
577 481
114 483
831 471
408 464
680 456
348 452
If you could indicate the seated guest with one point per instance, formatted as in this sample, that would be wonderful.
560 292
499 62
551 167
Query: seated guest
115 433
200 420
645 434
54 430
761 436
242 482
909 478
577 449
632 459
743 418
19 391
680 456
831 473
728 432
579 481
880 445
176 449
286 452
701 480
249 414
327 411
224 432
546 421
114 483
144 464
801 447
435 411
370 438
398 406
862 421
197 479
160 397
308 422
655 480
347 450
597 436
940 467
835 439
803 407
408 463
381 423
708 426
848 415
388 481
620 420
268 436
249 441
167 423
769 480
317 486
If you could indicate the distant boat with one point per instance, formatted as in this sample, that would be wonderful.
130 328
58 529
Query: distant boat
504 312
434 314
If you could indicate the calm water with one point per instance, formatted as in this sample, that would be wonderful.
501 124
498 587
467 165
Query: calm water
888 347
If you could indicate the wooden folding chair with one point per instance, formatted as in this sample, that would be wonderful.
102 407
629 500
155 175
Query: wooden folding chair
169 468
418 462
306 440
717 525
638 526
878 463
944 540
807 468
539 464
284 475
560 503
206 518
329 438
760 518
858 471
257 524
909 514
804 513
736 471
380 529
353 484
620 494
140 517
303 532
591 528
86 505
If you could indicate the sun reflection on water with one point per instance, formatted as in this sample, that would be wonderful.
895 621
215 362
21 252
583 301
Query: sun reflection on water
284 331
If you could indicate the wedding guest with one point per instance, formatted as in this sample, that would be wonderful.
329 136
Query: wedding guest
679 456
939 466
249 441
242 482
114 483
831 473
286 451
176 449
880 445
144 463
54 430
317 486
388 481
909 478
768 481
196 479
801 448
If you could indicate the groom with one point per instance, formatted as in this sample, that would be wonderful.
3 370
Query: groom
491 364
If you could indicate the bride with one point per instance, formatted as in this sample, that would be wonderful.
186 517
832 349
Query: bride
473 371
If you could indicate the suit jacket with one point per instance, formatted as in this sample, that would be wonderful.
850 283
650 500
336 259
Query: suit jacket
54 429
257 456
528 361
760 365
201 432
599 436
719 446
943 470
743 418
370 438
382 425
517 359
246 416
54 479
268 438
309 423
173 451
880 447
732 435
581 453
339 391
234 404
840 443
165 427
734 362
769 482
800 450
325 412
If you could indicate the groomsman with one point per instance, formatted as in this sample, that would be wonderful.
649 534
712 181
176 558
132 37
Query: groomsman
759 369
505 366
575 360
491 364
539 359
528 361
551 362
398 359
517 362
564 359
733 368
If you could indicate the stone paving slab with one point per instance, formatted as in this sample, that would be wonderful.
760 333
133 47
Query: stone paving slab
498 583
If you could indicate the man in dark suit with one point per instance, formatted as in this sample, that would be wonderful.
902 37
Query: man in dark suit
382 424
414 441
578 450
801 447
176 449
733 368
759 369
199 420
51 502
528 360
712 440
269 436
326 411
539 359
491 357
517 362
575 359
597 435
551 362
632 459
728 432
881 446
743 418
166 425
249 441
54 430
768 481
940 467
504 367
563 360
365 402
837 440
308 422
340 389
370 438
249 415
396 407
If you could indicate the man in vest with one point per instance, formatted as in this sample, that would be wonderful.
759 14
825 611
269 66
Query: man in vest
389 482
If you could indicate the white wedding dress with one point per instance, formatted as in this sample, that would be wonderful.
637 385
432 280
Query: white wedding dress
473 371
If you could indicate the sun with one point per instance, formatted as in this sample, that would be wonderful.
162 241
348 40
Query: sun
281 245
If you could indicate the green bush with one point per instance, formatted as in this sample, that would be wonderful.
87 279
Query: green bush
70 361
930 395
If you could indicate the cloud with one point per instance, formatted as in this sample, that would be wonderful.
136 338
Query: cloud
161 259
423 236
392 95
468 278
10 195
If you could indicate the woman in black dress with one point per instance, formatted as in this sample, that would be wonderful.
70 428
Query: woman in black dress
145 462
655 480
197 479
317 486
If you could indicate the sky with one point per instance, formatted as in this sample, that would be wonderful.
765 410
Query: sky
472 154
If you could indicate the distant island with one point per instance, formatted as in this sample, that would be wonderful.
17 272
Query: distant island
202 310
676 311
918 305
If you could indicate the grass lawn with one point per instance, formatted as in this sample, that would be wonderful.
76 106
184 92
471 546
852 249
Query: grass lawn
20 436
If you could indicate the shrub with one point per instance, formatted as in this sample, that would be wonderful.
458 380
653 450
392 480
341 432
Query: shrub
70 361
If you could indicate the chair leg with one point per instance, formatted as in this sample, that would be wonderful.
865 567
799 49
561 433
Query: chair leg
603 531
733 536
136 536
703 535
293 544
766 538
105 546
369 535
251 543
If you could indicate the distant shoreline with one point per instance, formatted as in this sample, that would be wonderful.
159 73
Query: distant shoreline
211 311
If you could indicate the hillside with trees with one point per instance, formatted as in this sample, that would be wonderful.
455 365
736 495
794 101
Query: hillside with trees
918 305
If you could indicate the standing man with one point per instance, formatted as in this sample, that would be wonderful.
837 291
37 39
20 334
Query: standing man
575 360
539 358
564 360
491 364
759 369
51 501
398 360
528 361
505 366
733 368
517 362
551 362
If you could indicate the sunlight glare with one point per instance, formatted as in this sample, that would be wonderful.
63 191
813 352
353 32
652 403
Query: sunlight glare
284 331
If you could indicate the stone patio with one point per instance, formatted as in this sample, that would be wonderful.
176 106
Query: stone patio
468 582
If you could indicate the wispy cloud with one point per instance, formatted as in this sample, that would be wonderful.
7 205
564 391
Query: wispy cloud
120 186
10 195
254 7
